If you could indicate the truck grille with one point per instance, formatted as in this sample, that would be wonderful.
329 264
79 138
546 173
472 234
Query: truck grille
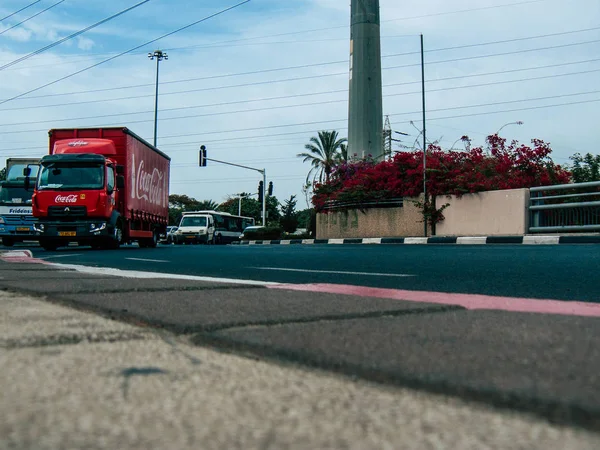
18 220
64 212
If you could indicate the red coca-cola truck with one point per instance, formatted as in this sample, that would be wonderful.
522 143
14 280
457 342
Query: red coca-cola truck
100 187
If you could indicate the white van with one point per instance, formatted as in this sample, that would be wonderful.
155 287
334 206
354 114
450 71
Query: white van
195 228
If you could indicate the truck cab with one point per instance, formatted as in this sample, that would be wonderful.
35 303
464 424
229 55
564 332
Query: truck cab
16 217
76 194
195 229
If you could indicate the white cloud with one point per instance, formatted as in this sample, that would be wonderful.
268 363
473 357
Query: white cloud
84 43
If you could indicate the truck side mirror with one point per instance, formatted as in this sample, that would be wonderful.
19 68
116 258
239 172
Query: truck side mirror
120 169
26 173
120 180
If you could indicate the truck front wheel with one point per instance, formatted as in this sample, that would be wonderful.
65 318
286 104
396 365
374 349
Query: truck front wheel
117 237
49 245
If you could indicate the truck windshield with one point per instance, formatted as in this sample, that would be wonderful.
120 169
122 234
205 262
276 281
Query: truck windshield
193 222
14 195
15 173
71 176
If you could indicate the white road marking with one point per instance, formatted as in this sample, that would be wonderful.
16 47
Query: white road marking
149 260
60 256
137 274
339 272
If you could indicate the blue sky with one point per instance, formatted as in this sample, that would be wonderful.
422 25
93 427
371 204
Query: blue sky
255 83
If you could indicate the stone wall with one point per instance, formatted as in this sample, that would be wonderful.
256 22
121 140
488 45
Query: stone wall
492 213
373 222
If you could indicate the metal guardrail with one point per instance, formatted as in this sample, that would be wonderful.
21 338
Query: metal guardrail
576 210
384 203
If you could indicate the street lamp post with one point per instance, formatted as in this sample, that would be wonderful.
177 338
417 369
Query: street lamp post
510 123
159 55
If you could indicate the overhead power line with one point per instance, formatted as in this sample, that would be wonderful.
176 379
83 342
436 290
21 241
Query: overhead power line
71 36
296 96
398 19
127 51
17 12
31 17
525 38
302 67
343 120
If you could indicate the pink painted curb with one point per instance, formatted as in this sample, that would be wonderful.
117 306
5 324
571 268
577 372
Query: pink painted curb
467 301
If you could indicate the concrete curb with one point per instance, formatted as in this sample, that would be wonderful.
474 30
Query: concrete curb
16 254
457 240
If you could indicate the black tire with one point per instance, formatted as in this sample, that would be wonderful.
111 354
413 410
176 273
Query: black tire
117 236
8 242
218 240
149 242
153 241
49 245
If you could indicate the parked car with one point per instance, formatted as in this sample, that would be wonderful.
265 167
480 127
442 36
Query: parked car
252 228
167 238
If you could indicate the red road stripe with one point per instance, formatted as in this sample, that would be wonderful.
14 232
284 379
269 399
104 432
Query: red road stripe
468 301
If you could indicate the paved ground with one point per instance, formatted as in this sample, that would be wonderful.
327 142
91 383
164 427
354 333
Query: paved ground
423 375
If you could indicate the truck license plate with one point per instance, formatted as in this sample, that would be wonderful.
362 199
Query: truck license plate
23 229
67 233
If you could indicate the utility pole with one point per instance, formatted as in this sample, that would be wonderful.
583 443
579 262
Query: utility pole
365 111
159 55
424 136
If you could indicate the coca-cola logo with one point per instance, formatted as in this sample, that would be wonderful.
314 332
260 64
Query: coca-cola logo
149 186
65 198
78 143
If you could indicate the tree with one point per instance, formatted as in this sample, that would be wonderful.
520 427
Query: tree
180 203
585 168
253 208
3 174
323 154
304 218
289 219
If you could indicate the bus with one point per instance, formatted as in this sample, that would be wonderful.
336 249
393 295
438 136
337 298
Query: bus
228 227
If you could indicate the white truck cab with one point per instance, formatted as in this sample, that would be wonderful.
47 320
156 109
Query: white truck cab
195 228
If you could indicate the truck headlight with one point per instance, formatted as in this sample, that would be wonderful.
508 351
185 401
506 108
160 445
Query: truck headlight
39 227
95 227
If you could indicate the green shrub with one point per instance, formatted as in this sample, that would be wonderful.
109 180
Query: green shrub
263 234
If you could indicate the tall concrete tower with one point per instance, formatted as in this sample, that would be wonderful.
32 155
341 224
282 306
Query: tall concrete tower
365 112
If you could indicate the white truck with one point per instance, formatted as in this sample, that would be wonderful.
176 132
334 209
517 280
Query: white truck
195 228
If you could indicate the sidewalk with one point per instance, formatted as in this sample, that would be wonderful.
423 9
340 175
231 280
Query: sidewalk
158 376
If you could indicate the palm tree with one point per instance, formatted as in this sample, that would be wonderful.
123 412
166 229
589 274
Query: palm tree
323 154
342 156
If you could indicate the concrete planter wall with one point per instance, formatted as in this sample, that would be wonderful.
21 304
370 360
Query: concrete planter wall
492 213
373 222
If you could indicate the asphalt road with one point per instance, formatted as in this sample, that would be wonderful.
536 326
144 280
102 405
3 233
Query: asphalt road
561 272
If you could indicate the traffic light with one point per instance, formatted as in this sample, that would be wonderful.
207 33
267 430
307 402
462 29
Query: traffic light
202 156
270 188
260 191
